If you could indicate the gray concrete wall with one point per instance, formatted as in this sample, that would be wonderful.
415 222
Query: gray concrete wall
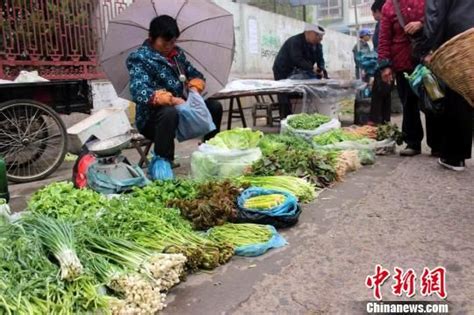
260 34
258 37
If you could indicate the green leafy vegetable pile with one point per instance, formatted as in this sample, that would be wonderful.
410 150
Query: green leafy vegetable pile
335 136
280 143
160 192
30 283
309 164
214 205
140 217
237 138
307 121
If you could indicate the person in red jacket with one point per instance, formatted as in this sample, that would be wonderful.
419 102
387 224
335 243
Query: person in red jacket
396 58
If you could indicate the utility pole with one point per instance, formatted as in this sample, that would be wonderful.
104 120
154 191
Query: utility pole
356 16
357 26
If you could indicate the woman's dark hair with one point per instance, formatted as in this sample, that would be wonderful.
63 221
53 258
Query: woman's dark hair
378 5
163 26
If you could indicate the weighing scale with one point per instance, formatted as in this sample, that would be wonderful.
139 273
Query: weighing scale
112 164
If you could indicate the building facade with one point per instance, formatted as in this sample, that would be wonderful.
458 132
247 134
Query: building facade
346 15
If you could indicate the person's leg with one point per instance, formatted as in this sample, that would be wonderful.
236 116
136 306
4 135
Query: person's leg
411 126
377 101
387 104
161 129
434 132
215 108
283 99
285 105
457 121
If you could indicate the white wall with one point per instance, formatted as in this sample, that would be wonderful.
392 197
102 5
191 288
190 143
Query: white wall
260 34
256 51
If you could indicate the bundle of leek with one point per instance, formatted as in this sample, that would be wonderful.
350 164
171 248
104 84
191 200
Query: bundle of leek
166 270
137 294
57 237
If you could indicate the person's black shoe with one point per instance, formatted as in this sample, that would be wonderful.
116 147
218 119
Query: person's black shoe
453 165
409 152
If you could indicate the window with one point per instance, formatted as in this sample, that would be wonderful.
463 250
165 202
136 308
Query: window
360 2
331 9
280 8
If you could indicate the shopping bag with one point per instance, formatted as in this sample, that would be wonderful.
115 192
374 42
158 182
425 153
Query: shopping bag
195 120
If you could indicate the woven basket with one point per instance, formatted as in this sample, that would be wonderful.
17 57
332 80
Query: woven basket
453 63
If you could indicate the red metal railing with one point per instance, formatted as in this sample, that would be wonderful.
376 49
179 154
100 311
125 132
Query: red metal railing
58 38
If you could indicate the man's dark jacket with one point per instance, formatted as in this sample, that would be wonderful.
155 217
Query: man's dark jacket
445 19
298 54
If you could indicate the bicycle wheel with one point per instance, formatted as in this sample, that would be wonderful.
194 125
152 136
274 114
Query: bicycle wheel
33 140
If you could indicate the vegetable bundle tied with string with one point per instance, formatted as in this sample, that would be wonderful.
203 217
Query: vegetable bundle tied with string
136 294
165 269
140 277
57 237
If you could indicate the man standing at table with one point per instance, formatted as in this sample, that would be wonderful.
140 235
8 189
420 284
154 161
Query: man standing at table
298 55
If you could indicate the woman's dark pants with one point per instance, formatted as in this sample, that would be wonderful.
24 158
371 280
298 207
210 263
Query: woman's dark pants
381 102
456 142
411 126
163 122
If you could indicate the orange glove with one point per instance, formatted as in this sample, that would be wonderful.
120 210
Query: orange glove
198 84
161 98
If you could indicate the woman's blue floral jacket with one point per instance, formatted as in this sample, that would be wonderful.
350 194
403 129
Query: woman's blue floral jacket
150 71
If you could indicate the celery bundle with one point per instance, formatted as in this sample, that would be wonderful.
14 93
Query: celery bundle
299 187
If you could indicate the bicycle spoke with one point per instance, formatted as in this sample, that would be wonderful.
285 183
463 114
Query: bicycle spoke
35 134
13 164
8 135
8 143
30 122
11 122
47 138
17 125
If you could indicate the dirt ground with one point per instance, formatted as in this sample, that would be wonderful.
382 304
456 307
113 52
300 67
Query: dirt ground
400 212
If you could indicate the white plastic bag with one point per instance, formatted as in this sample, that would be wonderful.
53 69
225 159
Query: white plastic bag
195 120
213 162
309 134
29 77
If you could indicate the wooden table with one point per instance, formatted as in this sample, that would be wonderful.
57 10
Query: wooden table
235 99
283 87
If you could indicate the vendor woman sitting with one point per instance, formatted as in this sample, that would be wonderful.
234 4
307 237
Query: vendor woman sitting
159 73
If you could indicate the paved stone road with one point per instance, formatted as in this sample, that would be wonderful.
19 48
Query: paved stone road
408 213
